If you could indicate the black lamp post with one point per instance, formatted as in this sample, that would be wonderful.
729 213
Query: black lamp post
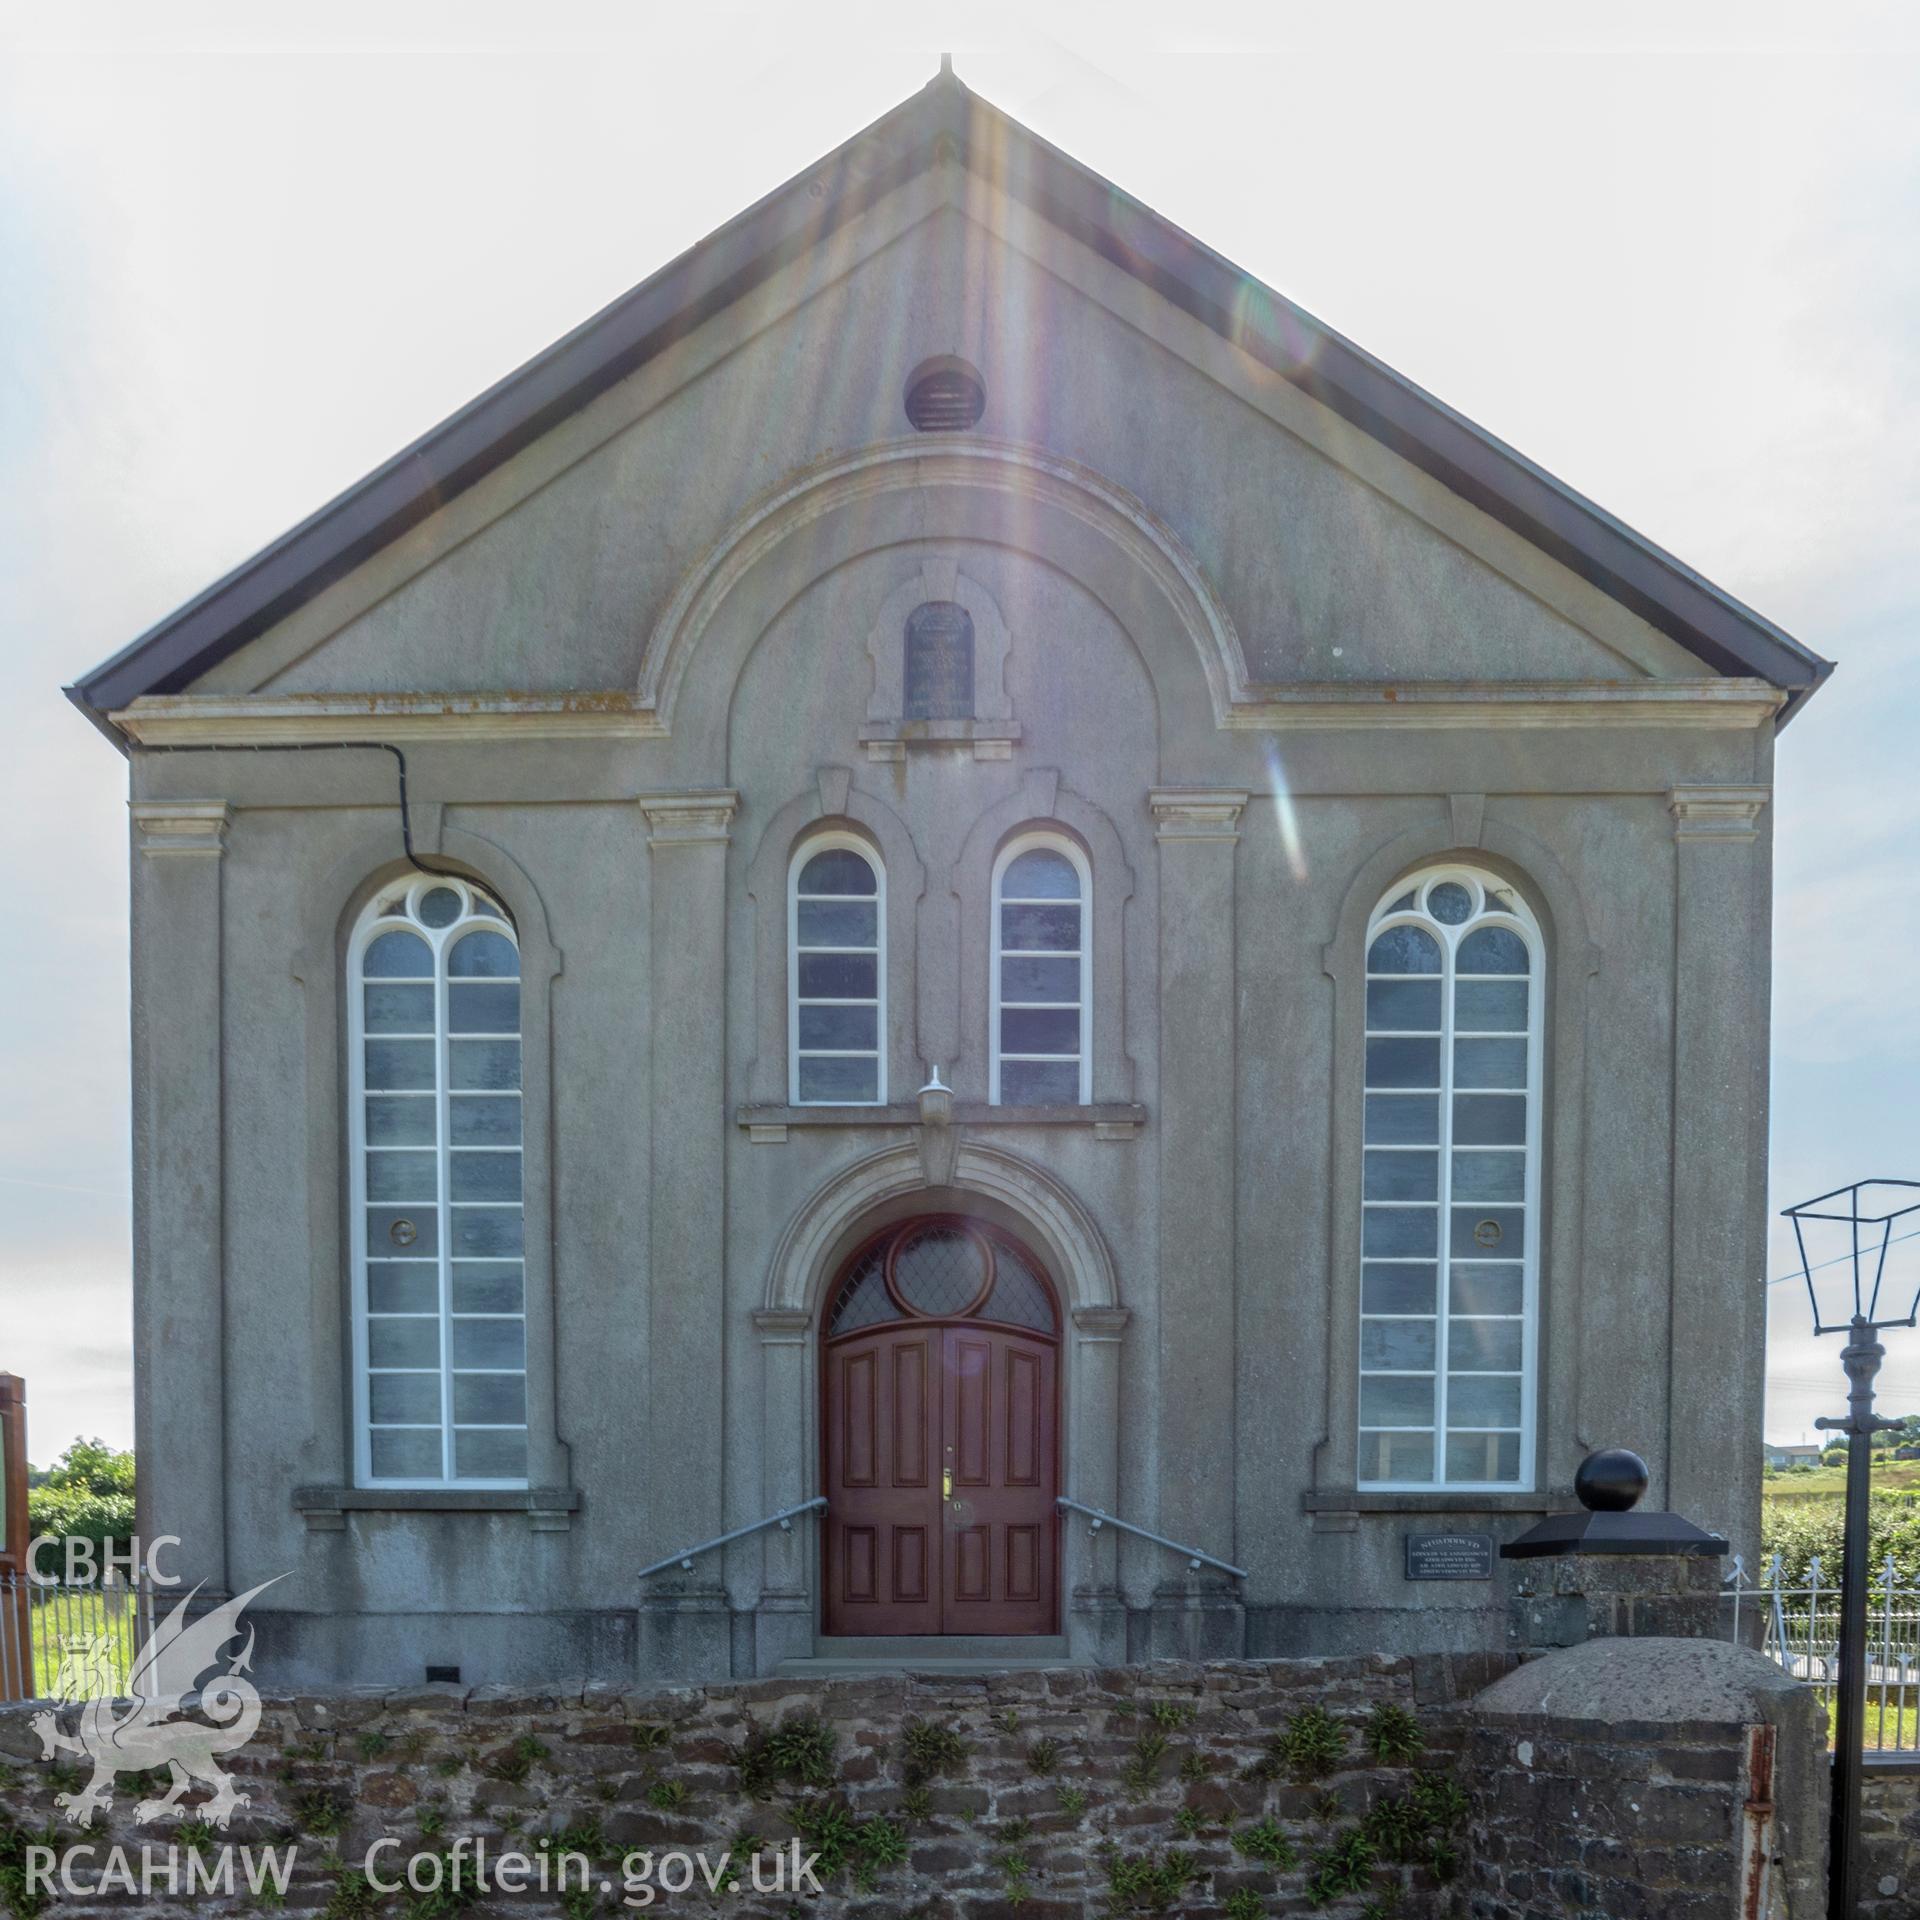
1843 1237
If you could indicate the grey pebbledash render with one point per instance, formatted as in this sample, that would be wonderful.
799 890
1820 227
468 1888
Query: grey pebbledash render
947 630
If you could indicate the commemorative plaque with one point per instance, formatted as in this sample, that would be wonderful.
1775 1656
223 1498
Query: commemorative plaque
939 663
1449 1556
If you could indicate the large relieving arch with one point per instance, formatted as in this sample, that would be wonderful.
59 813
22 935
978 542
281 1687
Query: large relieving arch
940 1435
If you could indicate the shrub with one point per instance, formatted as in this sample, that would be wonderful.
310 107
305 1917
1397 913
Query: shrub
931 1750
319 1814
513 1764
87 1494
1138 1775
352 1898
881 1843
1397 1828
1149 1882
1800 1529
1440 1799
1311 1744
1344 1868
1392 1735
800 1751
829 1830
1267 1844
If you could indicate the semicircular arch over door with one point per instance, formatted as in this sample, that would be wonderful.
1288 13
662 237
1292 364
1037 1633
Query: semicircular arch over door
940 1430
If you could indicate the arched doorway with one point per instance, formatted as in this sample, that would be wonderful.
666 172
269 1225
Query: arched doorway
940 1434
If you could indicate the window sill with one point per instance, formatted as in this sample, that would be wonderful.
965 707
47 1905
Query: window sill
984 739
1108 1119
1466 1500
325 1509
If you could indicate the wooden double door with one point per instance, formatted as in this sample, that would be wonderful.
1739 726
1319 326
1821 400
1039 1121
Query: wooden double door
940 1430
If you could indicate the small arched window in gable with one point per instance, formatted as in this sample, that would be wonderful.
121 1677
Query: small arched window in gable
1450 1203
938 676
837 972
1042 974
434 1126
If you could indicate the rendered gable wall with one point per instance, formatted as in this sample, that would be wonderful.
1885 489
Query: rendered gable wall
1199 1215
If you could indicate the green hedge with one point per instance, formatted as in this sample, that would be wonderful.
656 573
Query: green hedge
86 1495
1799 1529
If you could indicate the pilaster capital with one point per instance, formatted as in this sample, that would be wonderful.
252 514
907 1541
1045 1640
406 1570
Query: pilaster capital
182 827
1716 813
782 1326
1196 813
1098 1325
689 819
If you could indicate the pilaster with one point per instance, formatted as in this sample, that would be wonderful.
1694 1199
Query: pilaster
179 1266
684 1621
784 1619
1718 1316
1096 1622
1197 829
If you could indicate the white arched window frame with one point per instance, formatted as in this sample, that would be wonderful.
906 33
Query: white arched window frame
1042 967
836 979
435 1148
1450 1202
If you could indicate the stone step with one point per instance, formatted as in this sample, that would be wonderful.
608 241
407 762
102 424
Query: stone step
804 1669
1046 1648
931 1653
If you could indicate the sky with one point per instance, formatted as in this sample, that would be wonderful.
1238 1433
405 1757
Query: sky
246 252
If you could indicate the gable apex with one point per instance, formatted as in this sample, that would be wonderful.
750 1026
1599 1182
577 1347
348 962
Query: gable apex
945 122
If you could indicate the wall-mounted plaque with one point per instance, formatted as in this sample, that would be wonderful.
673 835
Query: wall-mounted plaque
939 662
1449 1556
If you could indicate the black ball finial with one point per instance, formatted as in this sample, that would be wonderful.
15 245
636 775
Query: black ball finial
1611 1481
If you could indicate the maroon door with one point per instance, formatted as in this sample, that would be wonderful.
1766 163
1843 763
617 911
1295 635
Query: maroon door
940 1434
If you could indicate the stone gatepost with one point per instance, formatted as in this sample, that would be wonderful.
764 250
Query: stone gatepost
1636 1763
1610 1571
1642 1777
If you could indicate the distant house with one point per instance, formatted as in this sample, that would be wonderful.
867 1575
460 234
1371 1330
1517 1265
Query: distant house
1795 1456
1030 877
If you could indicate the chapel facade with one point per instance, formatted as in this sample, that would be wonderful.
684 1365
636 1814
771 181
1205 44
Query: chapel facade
955 883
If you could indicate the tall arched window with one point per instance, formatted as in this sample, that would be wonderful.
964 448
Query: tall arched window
1042 973
1450 1206
837 974
439 1290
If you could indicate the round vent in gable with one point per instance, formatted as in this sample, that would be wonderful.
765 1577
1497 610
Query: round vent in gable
945 396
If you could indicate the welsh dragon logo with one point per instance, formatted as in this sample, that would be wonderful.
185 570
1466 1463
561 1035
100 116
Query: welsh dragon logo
146 1734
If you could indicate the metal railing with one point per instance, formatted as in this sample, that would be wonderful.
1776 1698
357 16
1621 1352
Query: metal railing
61 1642
1799 1627
783 1519
1194 1557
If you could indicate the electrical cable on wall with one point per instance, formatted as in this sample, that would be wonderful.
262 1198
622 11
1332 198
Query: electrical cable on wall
328 746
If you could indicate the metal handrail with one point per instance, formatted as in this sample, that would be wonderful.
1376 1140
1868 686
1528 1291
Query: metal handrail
784 1520
1195 1558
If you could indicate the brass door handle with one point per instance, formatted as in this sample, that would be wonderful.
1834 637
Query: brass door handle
946 1484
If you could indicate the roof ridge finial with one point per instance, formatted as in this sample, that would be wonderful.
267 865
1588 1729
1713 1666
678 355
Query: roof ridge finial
946 67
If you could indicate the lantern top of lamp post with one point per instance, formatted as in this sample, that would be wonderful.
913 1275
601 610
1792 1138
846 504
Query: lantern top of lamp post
1846 1234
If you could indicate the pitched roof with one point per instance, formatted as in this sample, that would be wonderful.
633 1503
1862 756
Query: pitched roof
946 120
